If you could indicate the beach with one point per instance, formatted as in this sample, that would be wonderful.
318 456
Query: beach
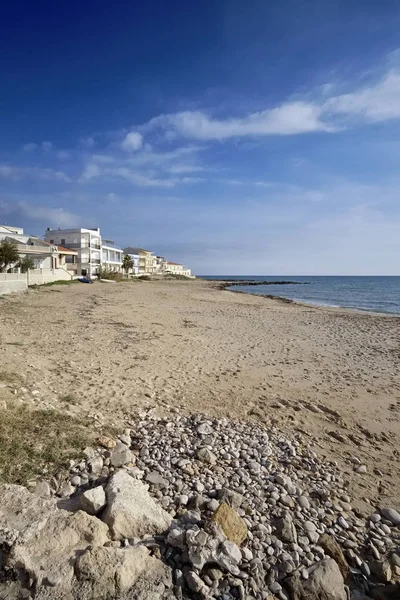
111 350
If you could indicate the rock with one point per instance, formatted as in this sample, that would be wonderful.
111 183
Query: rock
95 465
206 456
156 479
107 572
332 549
92 501
107 442
43 489
230 497
121 455
325 582
194 582
391 515
233 526
382 570
47 548
205 429
389 592
285 529
131 511
361 469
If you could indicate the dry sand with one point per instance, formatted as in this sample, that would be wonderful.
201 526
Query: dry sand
112 349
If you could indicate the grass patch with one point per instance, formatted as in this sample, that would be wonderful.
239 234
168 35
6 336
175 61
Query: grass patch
69 398
9 377
58 282
177 277
32 441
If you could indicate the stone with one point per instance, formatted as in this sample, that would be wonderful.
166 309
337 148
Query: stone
232 551
285 529
47 549
194 582
131 511
233 526
332 549
205 429
389 592
107 572
121 455
230 497
95 465
107 442
304 502
325 582
156 479
361 469
43 489
391 515
206 456
92 501
382 570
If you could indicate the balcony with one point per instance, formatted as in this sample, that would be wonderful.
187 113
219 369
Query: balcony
95 261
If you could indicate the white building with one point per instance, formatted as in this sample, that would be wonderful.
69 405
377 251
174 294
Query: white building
87 243
111 258
175 269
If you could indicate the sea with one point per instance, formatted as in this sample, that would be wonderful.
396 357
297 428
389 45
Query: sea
367 293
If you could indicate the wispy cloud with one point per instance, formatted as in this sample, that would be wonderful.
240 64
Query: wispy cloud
87 142
132 141
17 173
376 101
21 211
30 147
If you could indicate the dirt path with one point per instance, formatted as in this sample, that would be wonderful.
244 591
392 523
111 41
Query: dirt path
111 349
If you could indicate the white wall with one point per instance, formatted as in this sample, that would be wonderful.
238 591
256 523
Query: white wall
13 282
40 276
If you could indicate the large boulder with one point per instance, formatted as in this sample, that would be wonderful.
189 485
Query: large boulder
233 526
45 552
325 582
108 572
131 512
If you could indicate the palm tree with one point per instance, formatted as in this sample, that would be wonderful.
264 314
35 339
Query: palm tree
127 263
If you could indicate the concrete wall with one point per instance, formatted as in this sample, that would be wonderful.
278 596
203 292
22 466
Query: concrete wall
13 282
40 276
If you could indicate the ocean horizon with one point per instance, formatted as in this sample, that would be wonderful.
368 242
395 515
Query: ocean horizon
373 293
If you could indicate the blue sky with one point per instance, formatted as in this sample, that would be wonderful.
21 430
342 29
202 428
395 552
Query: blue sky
236 137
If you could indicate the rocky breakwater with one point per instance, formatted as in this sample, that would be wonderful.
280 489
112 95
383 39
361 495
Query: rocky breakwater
190 507
223 284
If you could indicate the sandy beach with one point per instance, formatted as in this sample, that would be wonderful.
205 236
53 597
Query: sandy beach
110 350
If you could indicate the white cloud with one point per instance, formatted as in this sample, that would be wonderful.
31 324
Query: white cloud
139 179
30 147
87 142
90 171
18 173
63 155
57 217
132 142
47 146
378 102
287 119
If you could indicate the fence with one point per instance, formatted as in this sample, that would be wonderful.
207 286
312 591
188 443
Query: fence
18 282
13 282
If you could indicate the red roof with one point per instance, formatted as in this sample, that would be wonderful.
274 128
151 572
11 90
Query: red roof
62 250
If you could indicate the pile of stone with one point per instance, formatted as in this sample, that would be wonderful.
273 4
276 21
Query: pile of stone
192 507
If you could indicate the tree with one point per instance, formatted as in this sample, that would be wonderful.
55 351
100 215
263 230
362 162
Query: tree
26 263
8 254
127 263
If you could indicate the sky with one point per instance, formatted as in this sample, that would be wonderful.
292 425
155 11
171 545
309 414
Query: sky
255 138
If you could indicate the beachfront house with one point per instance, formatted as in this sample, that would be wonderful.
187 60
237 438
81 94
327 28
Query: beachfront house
173 268
49 260
133 253
86 242
147 263
111 256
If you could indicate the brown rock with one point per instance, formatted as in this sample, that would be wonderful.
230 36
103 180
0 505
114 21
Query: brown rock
107 442
233 526
332 549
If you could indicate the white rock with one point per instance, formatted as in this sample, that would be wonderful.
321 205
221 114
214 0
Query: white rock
391 515
131 511
92 501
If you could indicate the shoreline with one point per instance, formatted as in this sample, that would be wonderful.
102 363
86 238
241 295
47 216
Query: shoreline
286 300
111 352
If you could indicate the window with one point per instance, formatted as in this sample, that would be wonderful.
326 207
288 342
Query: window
51 241
62 242
84 272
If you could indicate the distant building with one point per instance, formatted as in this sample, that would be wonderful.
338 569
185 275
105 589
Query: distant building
147 263
87 243
9 229
175 269
111 256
